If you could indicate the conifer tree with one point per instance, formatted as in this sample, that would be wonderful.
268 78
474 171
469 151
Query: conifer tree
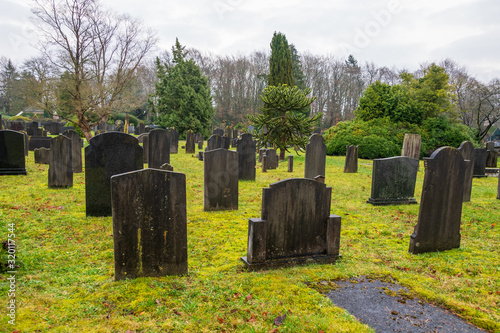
280 62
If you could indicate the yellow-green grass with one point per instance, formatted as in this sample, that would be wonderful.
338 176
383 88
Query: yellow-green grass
66 279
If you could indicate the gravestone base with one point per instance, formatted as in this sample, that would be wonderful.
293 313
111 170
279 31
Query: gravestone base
12 171
385 202
479 176
291 261
492 172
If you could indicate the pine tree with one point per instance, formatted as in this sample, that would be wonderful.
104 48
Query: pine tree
280 62
183 98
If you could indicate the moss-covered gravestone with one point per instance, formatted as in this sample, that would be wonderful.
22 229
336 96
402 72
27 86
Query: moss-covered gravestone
315 163
149 223
295 226
60 163
12 159
393 181
108 154
438 227
246 146
220 180
214 142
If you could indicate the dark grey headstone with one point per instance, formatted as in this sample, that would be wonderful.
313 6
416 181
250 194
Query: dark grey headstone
411 146
142 128
218 131
480 156
42 155
173 136
246 147
264 162
262 151
200 145
393 181
467 150
351 159
18 126
76 150
108 154
167 167
226 142
149 223
200 156
141 137
190 142
272 159
295 226
315 163
438 227
290 163
492 157
220 186
159 148
38 142
228 131
145 147
55 128
12 159
26 143
498 189
60 166
214 142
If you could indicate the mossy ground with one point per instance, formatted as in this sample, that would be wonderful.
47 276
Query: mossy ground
66 279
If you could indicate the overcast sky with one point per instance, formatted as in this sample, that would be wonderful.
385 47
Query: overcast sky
399 33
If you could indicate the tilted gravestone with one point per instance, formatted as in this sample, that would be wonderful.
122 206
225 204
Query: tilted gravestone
149 223
12 159
295 226
467 150
411 146
492 158
76 150
190 142
108 154
220 186
246 147
351 159
393 181
173 136
214 142
315 163
42 155
480 156
438 227
60 165
159 148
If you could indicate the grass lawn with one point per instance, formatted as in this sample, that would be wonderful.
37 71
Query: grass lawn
65 282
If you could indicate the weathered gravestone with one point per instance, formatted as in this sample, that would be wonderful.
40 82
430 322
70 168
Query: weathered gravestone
262 151
42 155
411 146
214 142
12 159
393 181
498 189
218 131
159 148
226 142
149 223
141 137
315 163
167 167
18 126
38 142
31 127
272 158
264 163
26 143
492 158
246 147
55 128
480 156
200 144
295 226
173 136
228 131
438 227
290 163
220 186
76 150
467 150
234 138
60 165
190 143
108 154
351 159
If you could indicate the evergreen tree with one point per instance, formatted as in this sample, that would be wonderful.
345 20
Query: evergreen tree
298 75
183 98
281 123
280 62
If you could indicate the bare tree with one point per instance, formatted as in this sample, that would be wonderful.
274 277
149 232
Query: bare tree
97 50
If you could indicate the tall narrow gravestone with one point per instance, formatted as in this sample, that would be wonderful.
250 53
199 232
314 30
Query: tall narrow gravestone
411 146
498 189
60 163
246 147
190 143
159 148
76 150
480 156
220 186
12 159
438 227
492 157
467 150
351 159
393 181
145 147
149 223
173 136
108 154
315 157
295 226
